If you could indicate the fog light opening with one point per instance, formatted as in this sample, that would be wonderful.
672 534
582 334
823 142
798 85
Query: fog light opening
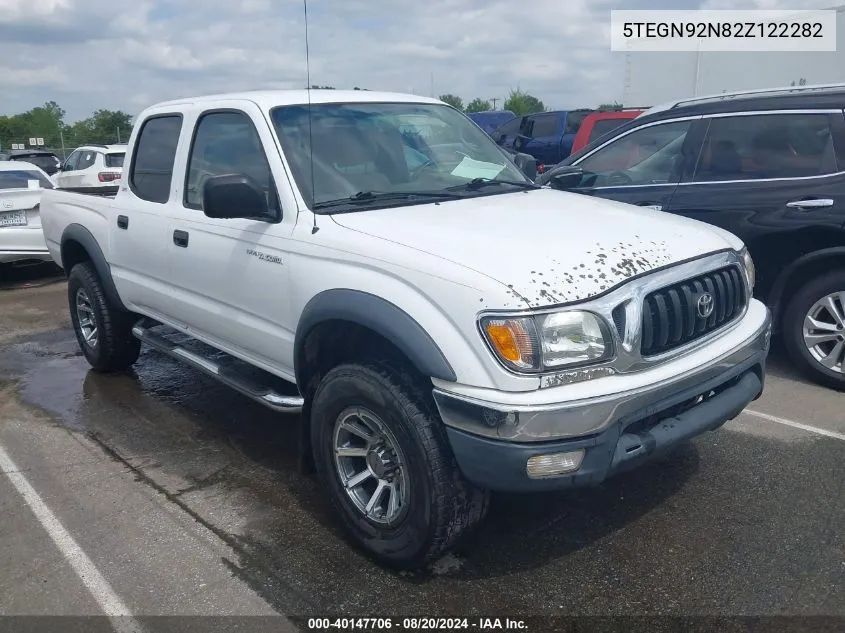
554 464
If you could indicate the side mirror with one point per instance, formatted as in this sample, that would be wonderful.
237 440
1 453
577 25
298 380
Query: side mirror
565 178
527 164
234 196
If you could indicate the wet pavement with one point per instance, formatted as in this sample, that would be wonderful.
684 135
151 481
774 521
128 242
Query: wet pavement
188 498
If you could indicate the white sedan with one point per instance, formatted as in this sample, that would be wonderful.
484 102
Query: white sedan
21 238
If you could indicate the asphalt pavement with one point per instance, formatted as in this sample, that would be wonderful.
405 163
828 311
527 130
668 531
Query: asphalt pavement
162 493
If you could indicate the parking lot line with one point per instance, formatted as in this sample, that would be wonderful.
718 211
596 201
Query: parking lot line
797 425
88 573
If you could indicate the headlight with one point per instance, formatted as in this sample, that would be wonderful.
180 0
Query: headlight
750 270
549 341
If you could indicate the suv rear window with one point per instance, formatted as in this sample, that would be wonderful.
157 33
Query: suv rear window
115 160
44 161
18 179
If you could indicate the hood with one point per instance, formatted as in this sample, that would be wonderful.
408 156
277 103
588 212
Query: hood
548 246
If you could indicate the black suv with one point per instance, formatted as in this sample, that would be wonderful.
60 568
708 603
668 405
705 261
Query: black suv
768 166
43 158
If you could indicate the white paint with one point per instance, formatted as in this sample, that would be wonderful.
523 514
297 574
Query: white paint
97 585
797 425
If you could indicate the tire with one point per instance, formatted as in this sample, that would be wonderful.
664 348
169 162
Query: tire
104 333
440 507
806 303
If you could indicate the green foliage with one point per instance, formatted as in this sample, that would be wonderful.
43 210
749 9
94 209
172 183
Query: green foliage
47 122
453 100
613 107
479 105
522 103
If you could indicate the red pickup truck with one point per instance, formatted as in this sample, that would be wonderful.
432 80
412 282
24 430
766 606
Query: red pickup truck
598 124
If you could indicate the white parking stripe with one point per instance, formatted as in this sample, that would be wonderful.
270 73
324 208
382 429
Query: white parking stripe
91 577
797 425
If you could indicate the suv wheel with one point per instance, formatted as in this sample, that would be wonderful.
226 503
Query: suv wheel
384 457
814 329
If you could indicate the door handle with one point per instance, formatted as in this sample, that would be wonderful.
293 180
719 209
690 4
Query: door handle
180 238
122 222
813 203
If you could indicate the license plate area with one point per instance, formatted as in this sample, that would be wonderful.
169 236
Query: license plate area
13 218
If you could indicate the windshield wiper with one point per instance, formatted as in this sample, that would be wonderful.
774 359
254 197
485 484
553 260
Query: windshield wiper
478 183
367 197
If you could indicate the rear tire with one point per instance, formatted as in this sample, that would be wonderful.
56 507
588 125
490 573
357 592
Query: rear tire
814 329
104 333
408 455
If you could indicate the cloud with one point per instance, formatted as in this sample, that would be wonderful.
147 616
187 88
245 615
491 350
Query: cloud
89 54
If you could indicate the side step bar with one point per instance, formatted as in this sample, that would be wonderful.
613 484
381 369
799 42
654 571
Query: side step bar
260 393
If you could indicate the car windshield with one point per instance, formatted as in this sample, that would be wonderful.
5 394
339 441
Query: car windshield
20 178
115 160
400 151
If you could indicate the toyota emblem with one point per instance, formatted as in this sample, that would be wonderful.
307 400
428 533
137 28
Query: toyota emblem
704 307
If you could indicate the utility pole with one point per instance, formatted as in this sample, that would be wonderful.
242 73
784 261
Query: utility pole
62 140
494 100
118 135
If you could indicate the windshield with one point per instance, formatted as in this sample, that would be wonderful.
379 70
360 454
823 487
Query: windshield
115 160
19 179
388 148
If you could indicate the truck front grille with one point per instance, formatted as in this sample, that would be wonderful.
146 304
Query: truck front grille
683 312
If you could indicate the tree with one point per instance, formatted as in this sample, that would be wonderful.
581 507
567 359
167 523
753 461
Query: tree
479 105
453 100
522 103
613 107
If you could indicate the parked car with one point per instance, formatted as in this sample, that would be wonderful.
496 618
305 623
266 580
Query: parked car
491 120
597 124
547 136
768 166
92 168
45 159
445 328
21 238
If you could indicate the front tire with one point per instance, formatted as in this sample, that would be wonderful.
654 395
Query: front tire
814 329
382 454
104 333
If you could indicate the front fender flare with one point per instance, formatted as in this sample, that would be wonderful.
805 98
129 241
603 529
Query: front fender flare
376 314
79 234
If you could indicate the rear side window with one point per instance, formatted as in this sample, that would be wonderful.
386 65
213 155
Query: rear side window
227 143
544 126
574 121
155 153
86 159
115 160
761 146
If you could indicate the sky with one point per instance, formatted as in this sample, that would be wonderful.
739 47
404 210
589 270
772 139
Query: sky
128 54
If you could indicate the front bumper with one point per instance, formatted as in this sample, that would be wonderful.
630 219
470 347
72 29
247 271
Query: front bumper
631 426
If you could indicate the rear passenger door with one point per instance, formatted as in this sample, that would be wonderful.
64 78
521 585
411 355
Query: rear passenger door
775 179
138 226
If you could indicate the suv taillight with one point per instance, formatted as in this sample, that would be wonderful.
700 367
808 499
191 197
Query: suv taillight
108 176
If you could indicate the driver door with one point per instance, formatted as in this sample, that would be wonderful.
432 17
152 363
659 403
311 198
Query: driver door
642 166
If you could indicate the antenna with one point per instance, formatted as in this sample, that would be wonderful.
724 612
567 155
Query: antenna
314 227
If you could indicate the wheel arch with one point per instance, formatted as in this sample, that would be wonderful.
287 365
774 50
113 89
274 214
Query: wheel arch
78 244
805 267
374 314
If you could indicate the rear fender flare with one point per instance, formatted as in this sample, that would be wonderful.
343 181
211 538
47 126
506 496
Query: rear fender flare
82 236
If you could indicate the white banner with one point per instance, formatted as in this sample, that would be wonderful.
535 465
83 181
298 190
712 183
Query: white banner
729 30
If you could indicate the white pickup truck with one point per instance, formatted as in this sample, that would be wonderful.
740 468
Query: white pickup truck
444 326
